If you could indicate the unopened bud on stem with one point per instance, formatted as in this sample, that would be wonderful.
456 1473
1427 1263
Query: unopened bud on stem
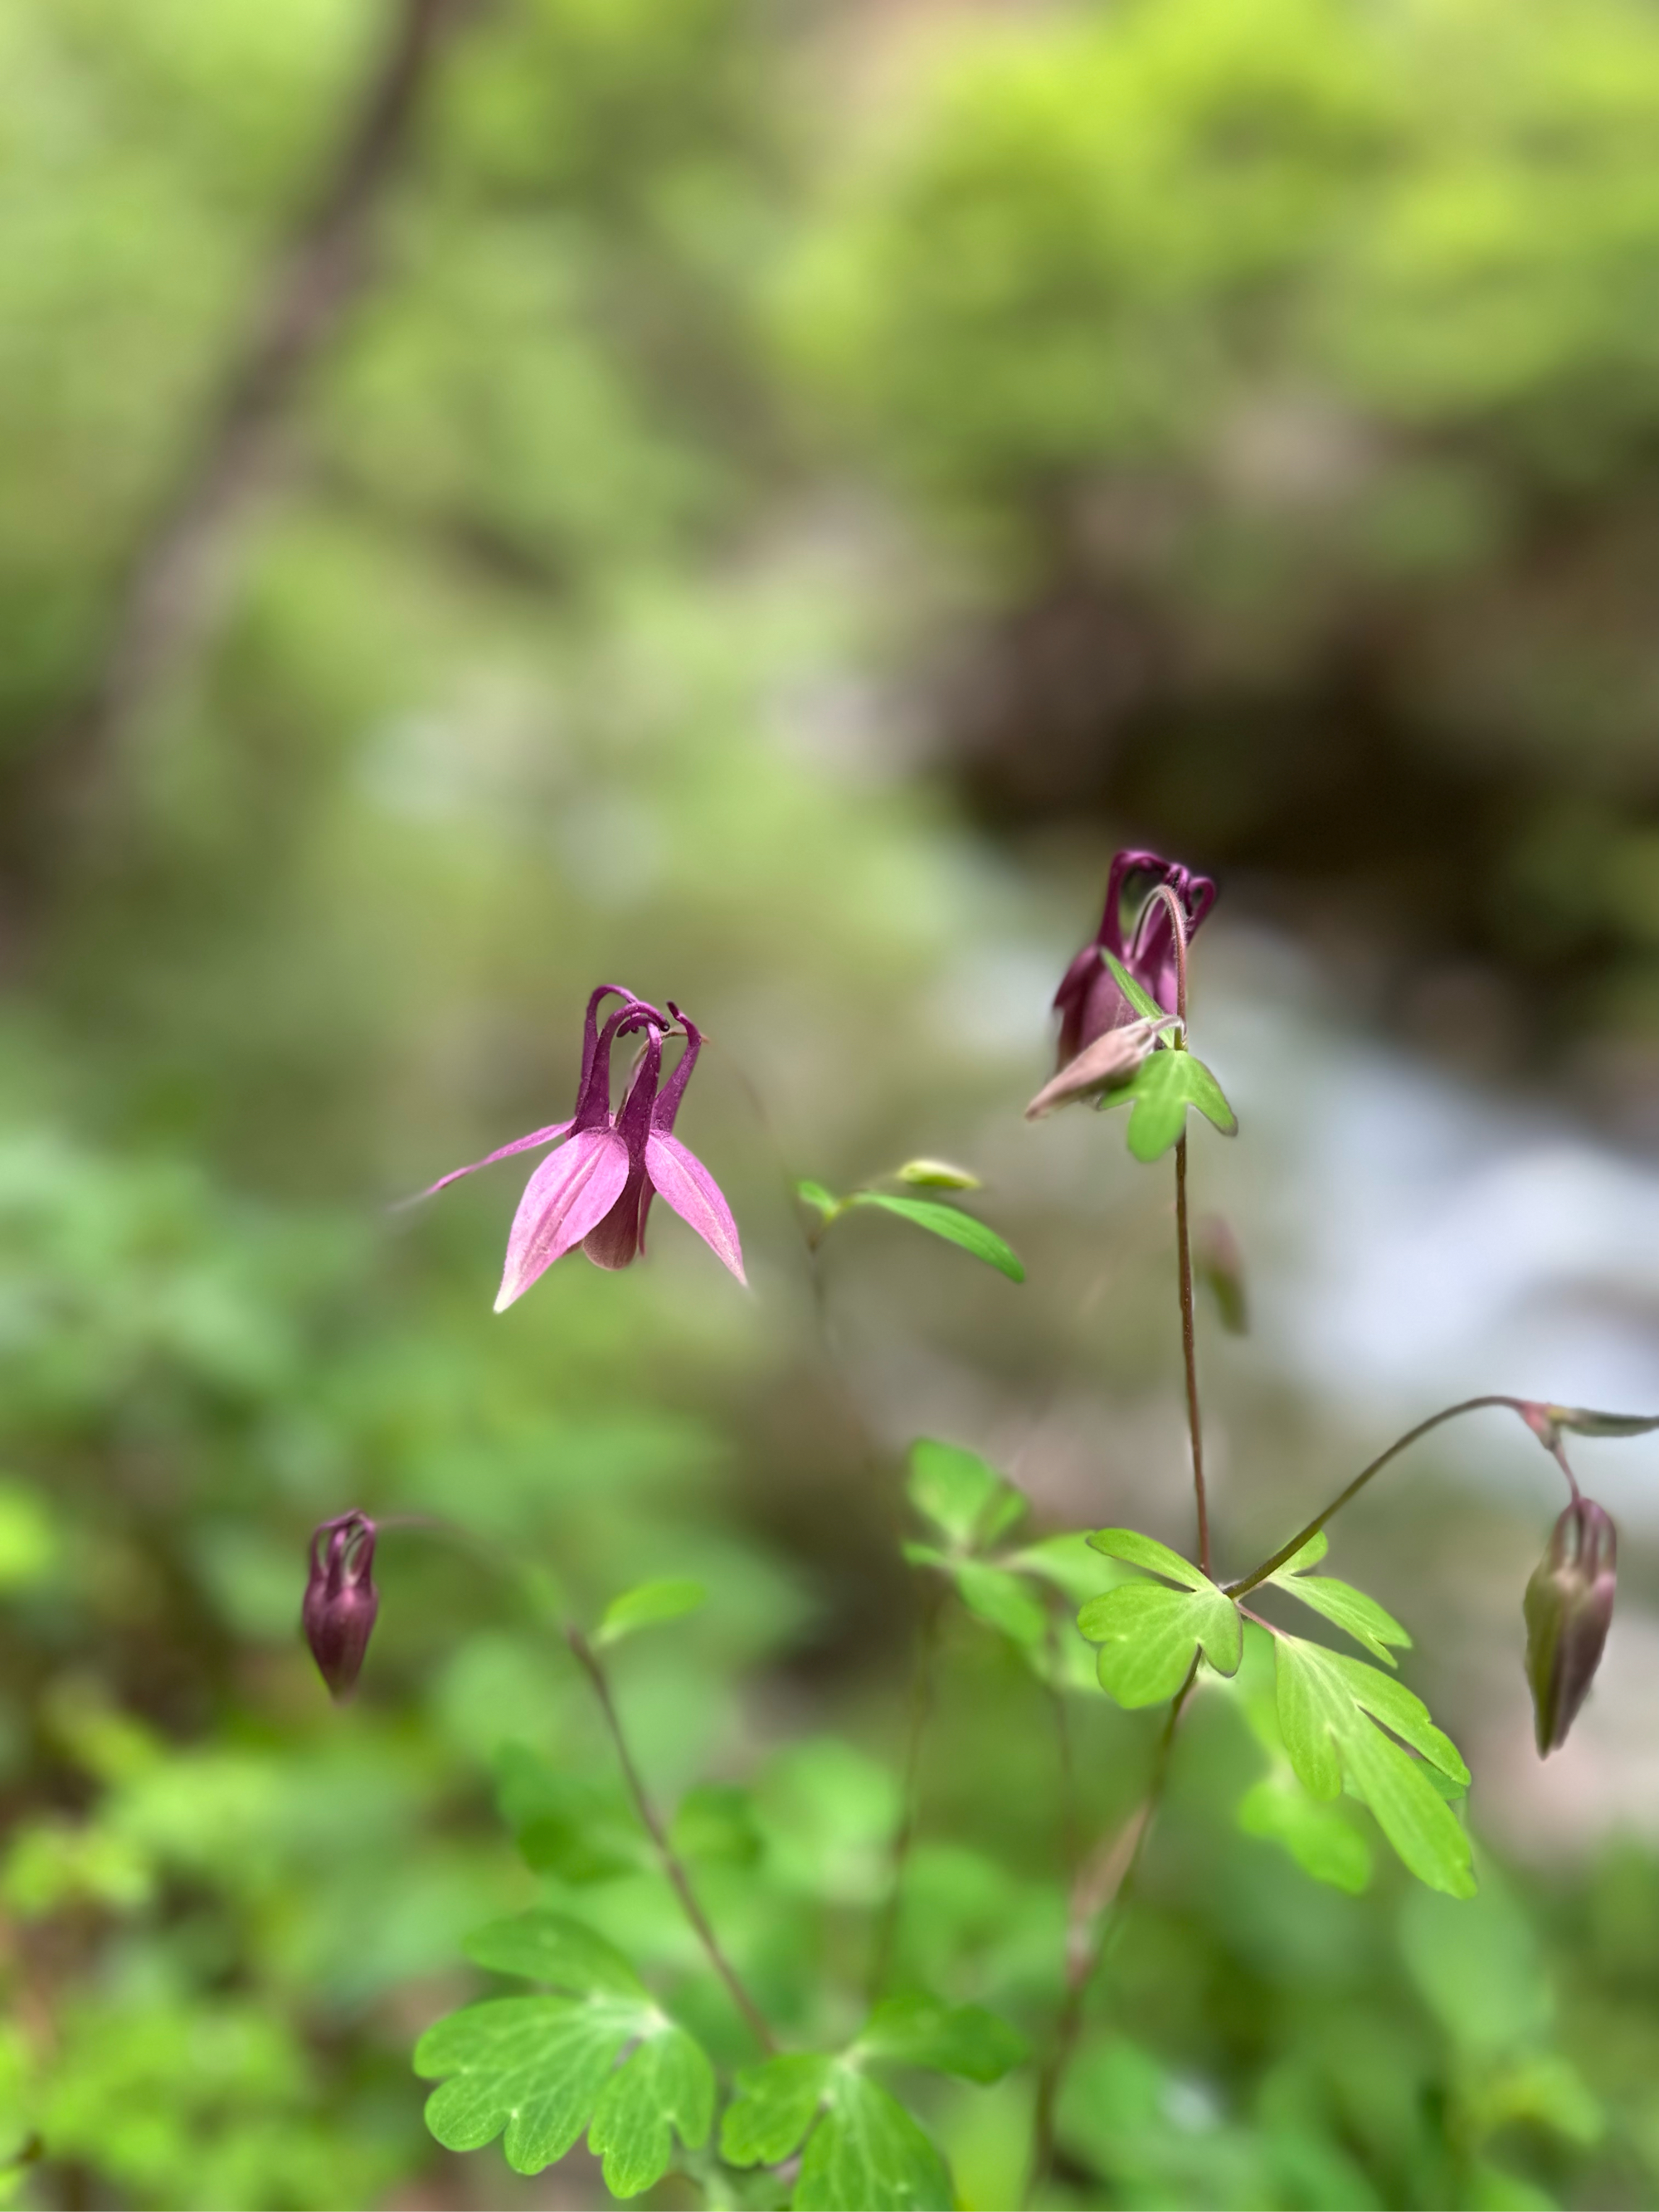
341 1600
1568 1607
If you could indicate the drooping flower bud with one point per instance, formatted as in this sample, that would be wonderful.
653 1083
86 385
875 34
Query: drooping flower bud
341 1600
1568 1608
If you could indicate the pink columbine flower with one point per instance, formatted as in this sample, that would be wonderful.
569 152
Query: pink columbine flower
596 1190
1088 1000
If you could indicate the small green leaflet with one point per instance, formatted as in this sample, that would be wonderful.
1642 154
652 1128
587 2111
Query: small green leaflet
542 2069
966 1499
644 1607
1322 1839
1143 1001
951 1223
1333 1712
1362 1617
865 2153
1149 1634
716 1820
1159 1093
961 2040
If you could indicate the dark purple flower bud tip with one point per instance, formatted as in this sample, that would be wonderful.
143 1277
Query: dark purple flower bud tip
1568 1608
341 1600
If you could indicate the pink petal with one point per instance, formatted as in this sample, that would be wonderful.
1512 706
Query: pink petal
518 1145
620 1238
694 1196
567 1196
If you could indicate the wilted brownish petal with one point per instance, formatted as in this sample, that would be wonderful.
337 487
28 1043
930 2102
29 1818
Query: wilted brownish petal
1109 1059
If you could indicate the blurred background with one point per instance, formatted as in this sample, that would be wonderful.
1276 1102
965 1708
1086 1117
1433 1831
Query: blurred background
754 499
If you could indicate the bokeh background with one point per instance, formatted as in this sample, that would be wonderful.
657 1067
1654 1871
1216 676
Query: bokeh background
754 499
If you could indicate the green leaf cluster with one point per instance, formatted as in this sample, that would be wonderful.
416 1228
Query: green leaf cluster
970 1505
1158 1094
538 2070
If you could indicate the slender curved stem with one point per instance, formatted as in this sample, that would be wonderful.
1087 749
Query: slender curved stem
673 1865
1184 1249
1101 1890
1271 1566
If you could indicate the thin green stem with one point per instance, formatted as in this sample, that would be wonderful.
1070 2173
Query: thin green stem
673 1865
1183 1244
1189 1352
1099 1895
1271 1566
921 1702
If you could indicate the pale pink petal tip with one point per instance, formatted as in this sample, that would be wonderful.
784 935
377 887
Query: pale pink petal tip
682 1180
518 1145
568 1195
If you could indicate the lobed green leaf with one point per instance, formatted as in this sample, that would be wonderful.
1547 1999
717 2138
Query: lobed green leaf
667 2087
776 2104
1370 1623
1328 1704
1322 1841
1138 1551
867 2154
1158 1095
1149 1634
532 2067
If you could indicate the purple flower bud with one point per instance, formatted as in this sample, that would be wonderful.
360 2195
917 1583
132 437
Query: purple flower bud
341 1600
1088 1001
1568 1608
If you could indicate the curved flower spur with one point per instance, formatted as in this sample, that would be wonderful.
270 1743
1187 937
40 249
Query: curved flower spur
596 1190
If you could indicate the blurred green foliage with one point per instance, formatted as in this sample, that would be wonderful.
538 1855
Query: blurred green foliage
555 657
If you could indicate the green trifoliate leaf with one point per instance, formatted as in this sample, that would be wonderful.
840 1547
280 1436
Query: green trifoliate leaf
867 2154
1319 1838
666 2087
541 2068
1362 1617
646 1606
1328 1706
776 2105
551 1947
962 2039
951 1223
1142 1000
1158 1095
936 1175
1149 1634
966 1500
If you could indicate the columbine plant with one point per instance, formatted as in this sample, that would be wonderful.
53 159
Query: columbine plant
594 2051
